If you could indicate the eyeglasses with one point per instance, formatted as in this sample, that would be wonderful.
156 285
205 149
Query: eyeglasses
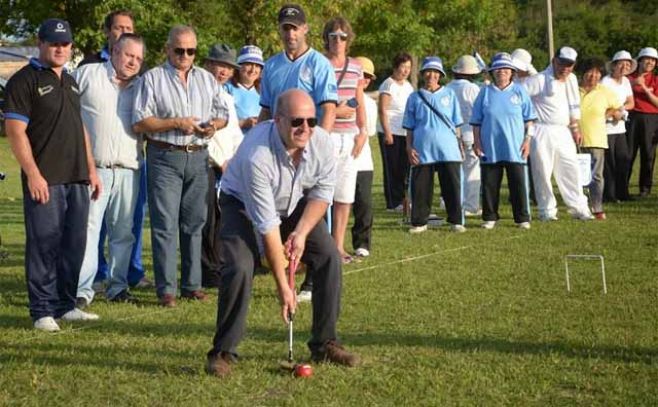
299 121
181 51
338 36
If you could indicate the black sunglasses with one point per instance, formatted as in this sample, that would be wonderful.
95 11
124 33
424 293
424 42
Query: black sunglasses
299 121
180 51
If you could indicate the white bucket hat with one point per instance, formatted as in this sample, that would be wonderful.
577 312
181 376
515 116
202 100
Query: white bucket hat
466 65
621 56
523 61
648 52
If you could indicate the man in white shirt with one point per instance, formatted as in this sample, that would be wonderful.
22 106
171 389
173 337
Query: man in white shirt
107 92
554 93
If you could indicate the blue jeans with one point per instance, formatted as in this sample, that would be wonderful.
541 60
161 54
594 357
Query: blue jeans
177 187
136 269
114 208
55 234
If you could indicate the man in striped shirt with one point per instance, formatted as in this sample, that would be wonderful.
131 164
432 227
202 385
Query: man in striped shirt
179 106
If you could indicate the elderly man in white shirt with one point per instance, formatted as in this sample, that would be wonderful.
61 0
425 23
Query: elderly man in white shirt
554 94
107 91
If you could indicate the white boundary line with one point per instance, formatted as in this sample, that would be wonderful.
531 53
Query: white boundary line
422 256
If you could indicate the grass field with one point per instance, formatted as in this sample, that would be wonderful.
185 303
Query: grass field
479 318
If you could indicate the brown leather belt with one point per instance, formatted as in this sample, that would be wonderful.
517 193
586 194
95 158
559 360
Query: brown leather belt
188 148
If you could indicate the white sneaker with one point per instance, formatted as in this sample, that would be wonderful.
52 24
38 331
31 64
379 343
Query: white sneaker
362 252
46 324
488 224
76 314
418 229
470 214
304 296
523 225
457 228
582 215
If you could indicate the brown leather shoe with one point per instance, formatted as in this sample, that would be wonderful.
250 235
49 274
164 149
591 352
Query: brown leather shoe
167 301
219 365
198 295
335 353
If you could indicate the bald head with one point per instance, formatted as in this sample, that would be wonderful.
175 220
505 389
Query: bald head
293 98
295 118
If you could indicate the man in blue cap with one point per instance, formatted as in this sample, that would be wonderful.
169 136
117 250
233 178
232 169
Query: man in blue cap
46 134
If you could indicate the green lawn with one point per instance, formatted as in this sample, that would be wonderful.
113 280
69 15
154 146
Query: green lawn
479 318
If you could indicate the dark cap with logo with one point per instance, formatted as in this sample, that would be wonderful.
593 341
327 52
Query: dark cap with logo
292 14
55 30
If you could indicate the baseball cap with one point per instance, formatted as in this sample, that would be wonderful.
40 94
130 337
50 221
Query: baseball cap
433 62
55 30
292 14
567 55
251 54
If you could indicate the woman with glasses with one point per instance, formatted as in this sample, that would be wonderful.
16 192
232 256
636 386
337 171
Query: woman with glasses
432 118
502 128
349 132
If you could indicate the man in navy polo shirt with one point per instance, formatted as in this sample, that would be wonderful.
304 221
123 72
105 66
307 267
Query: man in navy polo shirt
46 134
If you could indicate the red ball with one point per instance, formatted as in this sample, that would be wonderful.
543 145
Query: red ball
303 370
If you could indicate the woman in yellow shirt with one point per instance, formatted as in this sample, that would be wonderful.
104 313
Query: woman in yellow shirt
597 103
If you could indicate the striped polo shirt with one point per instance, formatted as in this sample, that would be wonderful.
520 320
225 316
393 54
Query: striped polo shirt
346 91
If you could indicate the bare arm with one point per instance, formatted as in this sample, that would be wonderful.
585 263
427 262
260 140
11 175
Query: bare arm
384 103
94 183
361 122
265 114
188 125
328 115
20 145
414 158
477 143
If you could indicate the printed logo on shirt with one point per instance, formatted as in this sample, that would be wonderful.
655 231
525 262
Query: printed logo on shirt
515 99
43 91
306 74
445 101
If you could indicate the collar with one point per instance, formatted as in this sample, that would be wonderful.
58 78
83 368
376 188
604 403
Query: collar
112 73
39 66
171 69
308 51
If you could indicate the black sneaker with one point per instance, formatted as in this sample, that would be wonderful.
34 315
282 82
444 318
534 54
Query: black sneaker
124 296
81 303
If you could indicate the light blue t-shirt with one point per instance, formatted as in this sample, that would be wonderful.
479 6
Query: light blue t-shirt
434 140
312 72
501 115
247 100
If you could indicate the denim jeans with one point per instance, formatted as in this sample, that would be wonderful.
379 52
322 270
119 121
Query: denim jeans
177 187
115 206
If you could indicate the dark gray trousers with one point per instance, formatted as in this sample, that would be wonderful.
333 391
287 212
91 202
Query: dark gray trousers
362 209
239 253
56 236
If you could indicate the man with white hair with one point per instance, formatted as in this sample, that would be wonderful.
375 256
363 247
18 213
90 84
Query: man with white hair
554 93
179 106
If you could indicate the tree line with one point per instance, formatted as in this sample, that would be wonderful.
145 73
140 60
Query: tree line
448 28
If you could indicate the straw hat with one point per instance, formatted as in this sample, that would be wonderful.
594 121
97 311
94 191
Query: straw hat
466 65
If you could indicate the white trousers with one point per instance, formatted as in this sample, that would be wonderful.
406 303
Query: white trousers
471 166
553 151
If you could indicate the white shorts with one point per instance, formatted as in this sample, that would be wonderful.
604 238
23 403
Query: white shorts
345 169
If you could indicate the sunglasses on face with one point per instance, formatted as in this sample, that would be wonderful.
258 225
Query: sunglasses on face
299 121
338 36
181 51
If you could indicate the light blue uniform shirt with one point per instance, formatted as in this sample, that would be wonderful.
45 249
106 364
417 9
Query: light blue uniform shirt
434 141
501 115
247 100
161 94
262 175
311 72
